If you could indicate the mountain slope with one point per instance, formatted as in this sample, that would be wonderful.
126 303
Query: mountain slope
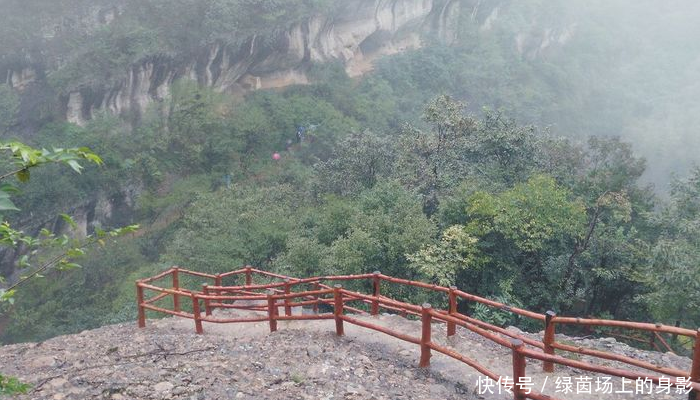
303 360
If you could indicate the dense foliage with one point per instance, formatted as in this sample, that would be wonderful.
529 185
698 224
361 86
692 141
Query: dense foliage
58 249
478 201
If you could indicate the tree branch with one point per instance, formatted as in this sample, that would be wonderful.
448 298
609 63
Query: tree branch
582 246
39 270
9 174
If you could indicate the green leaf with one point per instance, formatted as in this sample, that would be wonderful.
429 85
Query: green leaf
75 165
24 261
23 175
7 205
7 295
124 230
65 266
7 188
62 240
94 158
75 252
69 220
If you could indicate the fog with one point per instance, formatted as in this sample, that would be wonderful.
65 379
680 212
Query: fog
612 68
655 54
620 68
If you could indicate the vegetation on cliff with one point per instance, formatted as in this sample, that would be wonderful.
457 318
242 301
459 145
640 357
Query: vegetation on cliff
388 174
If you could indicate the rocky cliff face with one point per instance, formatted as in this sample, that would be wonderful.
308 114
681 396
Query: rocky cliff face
361 32
356 35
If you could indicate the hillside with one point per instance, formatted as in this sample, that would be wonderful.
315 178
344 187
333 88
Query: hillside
303 360
504 147
236 48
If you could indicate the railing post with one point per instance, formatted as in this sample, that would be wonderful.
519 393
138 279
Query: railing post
452 310
338 310
549 330
317 286
248 275
139 302
287 290
271 311
588 329
218 282
197 315
518 369
207 302
375 292
695 369
176 286
425 339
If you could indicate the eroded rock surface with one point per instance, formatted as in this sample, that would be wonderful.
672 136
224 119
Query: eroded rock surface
302 360
164 362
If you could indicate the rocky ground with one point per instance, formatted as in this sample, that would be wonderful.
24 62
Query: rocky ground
303 360
163 362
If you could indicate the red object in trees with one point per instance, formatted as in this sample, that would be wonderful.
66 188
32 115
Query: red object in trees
276 156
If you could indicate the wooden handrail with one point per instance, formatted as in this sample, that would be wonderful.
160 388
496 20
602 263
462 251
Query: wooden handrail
605 370
198 274
231 273
280 295
159 276
643 326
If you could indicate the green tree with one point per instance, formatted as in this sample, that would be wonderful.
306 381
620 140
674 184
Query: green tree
9 105
388 226
674 269
507 237
506 152
530 215
22 160
192 123
606 260
375 229
233 227
61 249
443 262
433 160
357 163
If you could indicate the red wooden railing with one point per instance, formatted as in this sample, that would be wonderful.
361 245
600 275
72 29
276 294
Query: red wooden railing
271 297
